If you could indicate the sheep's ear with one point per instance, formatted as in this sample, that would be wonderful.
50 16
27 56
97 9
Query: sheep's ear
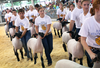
41 34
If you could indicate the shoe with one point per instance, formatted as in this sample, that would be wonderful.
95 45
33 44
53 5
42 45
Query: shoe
49 64
25 54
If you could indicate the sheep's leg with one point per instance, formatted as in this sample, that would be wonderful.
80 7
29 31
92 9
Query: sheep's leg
7 34
35 57
74 59
70 56
58 33
17 56
10 37
64 46
55 32
14 50
30 54
42 60
21 53
61 32
81 61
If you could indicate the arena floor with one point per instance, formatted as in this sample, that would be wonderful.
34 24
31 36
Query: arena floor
9 60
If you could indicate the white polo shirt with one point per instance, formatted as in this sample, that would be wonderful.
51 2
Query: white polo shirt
60 13
91 30
75 16
23 23
82 17
42 23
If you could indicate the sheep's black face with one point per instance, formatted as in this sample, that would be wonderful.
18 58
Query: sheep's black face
73 35
97 58
18 34
59 19
13 26
64 23
41 34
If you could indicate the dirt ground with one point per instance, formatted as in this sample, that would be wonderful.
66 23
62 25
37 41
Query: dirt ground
9 60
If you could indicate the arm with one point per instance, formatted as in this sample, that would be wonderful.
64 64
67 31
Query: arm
58 16
34 18
27 17
13 22
16 29
36 28
86 47
24 32
63 17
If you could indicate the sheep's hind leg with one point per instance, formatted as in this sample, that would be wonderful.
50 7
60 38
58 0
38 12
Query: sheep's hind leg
58 33
42 60
35 57
70 56
64 46
21 53
17 56
55 32
81 61
30 54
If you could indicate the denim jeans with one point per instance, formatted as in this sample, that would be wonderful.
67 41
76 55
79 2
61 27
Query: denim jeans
74 28
48 46
89 60
24 40
10 25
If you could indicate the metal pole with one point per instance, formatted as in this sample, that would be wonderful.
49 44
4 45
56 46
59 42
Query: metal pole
32 2
12 4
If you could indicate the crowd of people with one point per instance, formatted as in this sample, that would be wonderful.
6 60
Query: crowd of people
84 21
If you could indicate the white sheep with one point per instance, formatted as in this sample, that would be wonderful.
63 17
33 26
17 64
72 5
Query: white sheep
32 30
6 30
57 26
17 44
64 63
12 32
37 47
75 50
65 38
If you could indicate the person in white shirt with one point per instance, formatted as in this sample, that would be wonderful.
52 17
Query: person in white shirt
61 14
68 16
42 25
8 18
36 10
86 12
90 33
75 17
23 23
31 14
14 16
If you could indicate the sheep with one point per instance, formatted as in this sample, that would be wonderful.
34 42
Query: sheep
75 50
37 47
12 32
65 38
6 30
17 44
64 63
57 26
32 29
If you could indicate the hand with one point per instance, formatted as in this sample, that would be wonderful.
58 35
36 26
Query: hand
41 37
18 38
92 55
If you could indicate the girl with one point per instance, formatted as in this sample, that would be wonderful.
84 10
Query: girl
43 24
90 33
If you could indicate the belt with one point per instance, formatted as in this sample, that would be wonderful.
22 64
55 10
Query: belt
49 33
93 48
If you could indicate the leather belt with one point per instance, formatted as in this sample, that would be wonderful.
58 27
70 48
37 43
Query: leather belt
49 33
93 48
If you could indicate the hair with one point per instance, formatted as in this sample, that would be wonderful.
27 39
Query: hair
76 1
20 10
84 0
13 10
96 4
31 6
39 8
37 5
70 5
62 5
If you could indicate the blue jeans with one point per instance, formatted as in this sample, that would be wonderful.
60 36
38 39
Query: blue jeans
24 40
48 46
74 28
10 25
89 60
